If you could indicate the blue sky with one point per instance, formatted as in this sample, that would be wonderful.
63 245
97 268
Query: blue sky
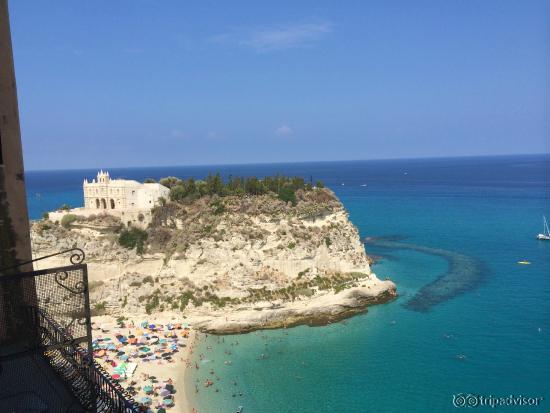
147 83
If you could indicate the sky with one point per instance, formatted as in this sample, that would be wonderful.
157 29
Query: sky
158 83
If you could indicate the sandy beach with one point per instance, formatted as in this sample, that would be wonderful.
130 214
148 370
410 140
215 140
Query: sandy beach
153 367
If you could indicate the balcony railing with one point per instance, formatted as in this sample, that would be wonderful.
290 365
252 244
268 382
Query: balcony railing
46 313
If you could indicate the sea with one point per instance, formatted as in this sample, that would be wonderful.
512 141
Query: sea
470 326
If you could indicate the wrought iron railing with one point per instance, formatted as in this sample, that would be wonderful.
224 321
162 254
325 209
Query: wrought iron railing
88 379
47 312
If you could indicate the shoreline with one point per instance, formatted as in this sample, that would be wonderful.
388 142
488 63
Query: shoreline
316 311
319 311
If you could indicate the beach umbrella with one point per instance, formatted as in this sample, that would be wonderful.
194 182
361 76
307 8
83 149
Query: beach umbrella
169 387
168 402
165 392
146 400
148 389
116 376
161 410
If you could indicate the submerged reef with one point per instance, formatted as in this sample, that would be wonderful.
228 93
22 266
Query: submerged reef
464 273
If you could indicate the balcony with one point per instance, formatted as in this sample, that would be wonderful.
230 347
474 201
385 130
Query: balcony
46 345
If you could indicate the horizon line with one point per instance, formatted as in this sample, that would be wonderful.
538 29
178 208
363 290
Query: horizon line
294 162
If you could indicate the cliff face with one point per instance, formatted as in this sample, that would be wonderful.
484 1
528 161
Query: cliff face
215 255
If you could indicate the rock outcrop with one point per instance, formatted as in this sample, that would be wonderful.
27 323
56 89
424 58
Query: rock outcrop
231 264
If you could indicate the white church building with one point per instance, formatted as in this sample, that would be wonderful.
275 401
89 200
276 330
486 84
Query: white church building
121 194
129 200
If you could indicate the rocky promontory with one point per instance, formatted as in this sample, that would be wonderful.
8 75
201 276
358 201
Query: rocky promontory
229 263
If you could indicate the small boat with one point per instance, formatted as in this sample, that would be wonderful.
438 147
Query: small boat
240 409
364 185
545 236
524 262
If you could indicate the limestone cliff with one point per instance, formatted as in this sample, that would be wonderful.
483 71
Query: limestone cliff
229 263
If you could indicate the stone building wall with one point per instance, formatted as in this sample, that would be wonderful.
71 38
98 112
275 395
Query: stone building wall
121 194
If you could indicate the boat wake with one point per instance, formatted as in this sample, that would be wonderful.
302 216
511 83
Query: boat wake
464 273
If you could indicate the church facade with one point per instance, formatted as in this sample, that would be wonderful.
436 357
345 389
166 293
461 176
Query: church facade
129 200
104 193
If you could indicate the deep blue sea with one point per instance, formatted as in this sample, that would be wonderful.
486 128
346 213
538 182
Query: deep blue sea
469 319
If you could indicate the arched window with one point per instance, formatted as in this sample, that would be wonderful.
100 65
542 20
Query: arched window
103 203
97 203
112 203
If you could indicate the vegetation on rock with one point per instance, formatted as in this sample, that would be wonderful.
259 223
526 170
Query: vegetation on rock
67 220
133 238
190 189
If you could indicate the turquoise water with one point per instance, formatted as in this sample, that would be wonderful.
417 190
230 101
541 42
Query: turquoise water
398 357
397 360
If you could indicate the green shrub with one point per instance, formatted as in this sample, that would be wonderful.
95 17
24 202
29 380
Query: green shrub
218 207
320 184
177 193
184 299
149 181
46 215
287 194
302 273
170 181
67 220
99 308
152 303
292 245
133 238
65 207
328 242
